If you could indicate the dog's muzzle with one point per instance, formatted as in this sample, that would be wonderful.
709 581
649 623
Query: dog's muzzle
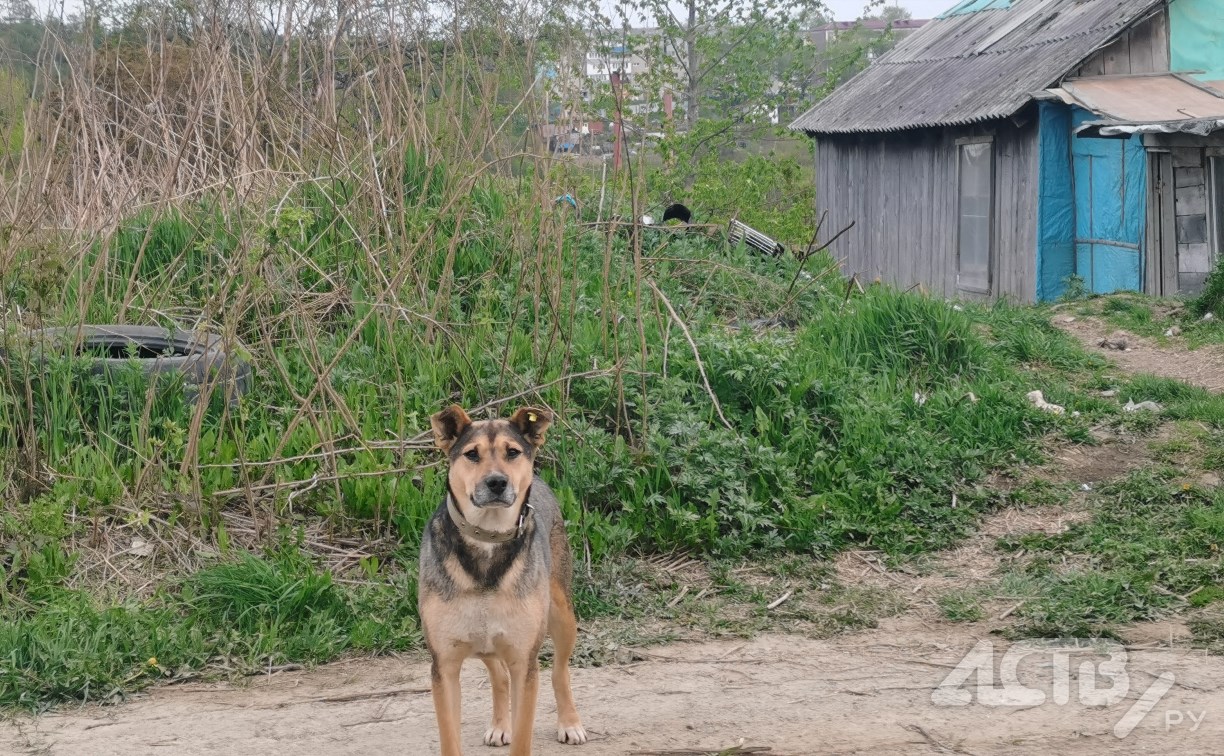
494 491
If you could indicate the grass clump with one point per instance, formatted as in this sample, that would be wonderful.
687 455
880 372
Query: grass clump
60 642
1152 547
1211 298
962 606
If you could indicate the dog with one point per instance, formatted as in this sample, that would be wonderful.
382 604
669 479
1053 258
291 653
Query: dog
495 578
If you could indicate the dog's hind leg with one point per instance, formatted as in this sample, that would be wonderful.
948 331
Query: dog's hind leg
525 684
498 733
445 689
563 628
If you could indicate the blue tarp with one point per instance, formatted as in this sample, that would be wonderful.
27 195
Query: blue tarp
1090 208
1110 180
1055 201
1196 37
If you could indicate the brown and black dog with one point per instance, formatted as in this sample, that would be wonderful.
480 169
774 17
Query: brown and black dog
495 578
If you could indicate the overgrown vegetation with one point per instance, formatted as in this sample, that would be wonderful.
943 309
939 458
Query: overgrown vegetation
1211 299
382 244
1152 546
1193 322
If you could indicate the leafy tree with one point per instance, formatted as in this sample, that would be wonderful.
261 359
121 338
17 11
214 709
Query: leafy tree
721 55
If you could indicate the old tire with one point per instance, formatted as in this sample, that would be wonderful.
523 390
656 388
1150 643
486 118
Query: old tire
200 358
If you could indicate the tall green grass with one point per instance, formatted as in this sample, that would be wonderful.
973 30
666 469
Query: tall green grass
865 420
247 615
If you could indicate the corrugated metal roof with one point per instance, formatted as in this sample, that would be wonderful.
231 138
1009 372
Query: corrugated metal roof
973 67
1155 104
1137 99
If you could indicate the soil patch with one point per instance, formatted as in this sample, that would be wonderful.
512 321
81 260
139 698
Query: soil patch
1202 367
868 693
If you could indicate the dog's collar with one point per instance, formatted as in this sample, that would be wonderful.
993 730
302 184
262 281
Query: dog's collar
477 533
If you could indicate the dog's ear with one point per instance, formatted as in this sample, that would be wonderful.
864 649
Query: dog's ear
448 425
532 423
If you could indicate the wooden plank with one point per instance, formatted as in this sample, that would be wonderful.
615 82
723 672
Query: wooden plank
1002 262
947 232
1160 40
1026 216
1094 66
884 269
1191 229
936 220
893 191
903 234
1142 40
1117 56
1151 267
1188 177
1194 258
1190 200
1168 240
1190 284
1187 157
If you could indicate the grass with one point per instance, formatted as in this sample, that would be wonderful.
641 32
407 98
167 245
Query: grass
1152 548
150 533
1154 318
864 421
246 615
852 428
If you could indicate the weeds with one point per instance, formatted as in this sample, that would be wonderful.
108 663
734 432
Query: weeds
380 245
1211 299
251 614
1152 547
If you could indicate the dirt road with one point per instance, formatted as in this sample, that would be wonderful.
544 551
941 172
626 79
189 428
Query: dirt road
870 692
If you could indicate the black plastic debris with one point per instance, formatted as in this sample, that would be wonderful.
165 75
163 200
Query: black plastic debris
676 211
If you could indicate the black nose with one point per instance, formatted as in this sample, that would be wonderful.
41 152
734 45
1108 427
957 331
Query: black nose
496 484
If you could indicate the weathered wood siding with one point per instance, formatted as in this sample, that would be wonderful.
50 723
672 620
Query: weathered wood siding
900 191
1189 196
1144 48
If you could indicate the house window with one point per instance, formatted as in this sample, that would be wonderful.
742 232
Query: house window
975 202
1215 213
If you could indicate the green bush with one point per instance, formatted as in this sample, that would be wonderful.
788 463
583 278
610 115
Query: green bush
1211 299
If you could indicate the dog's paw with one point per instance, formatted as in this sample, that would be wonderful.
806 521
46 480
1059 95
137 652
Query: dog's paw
497 736
573 734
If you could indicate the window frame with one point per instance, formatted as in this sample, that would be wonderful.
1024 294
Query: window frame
1213 177
990 250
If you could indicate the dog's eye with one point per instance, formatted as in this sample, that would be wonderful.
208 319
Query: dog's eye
472 455
513 453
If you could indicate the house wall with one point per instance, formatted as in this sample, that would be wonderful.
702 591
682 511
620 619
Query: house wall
1196 37
1144 48
900 191
1190 199
1055 201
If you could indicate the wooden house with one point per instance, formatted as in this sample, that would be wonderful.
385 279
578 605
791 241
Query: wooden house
1007 146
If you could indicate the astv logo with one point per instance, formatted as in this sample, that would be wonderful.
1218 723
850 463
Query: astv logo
1100 681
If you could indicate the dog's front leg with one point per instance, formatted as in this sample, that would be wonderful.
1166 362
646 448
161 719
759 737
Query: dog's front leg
525 685
499 730
445 689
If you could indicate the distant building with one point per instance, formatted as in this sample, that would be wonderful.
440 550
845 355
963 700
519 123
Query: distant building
1010 144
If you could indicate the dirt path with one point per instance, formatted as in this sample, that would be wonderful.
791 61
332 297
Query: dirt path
1200 367
870 692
